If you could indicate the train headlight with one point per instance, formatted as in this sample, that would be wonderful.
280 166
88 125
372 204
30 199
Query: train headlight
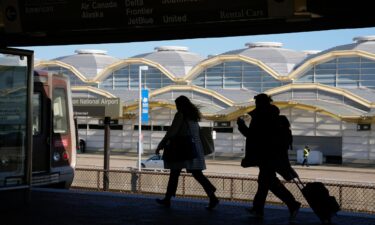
56 156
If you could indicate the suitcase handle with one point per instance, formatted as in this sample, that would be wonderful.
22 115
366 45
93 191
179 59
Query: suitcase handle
298 182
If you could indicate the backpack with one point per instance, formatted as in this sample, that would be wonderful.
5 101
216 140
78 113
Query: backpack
285 133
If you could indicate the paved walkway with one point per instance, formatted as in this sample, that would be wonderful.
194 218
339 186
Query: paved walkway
61 207
337 173
368 168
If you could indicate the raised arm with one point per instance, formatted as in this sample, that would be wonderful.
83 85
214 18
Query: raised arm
244 130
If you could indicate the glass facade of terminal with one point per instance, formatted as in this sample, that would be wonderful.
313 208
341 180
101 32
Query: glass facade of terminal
127 78
236 75
342 72
74 80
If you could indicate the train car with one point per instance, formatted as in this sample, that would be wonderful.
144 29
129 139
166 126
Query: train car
16 85
53 129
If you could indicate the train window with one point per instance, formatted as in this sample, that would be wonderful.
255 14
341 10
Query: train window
60 113
223 129
37 114
96 127
82 126
157 128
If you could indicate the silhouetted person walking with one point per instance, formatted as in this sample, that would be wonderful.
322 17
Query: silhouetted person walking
306 153
187 114
266 149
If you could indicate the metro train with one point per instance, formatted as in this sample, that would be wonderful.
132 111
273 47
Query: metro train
53 131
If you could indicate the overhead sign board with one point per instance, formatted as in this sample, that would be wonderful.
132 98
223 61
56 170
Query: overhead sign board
36 15
97 107
61 22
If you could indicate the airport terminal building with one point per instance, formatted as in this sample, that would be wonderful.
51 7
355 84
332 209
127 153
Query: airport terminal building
328 96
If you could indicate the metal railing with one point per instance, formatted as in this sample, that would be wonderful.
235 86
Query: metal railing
354 197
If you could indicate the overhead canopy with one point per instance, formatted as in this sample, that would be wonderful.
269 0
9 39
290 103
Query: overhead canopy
31 23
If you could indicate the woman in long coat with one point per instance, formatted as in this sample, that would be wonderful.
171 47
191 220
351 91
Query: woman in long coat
187 117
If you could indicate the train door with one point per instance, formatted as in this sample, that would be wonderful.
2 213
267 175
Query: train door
16 84
41 124
63 127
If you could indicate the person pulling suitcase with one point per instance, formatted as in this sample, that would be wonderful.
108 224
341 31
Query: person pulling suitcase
268 138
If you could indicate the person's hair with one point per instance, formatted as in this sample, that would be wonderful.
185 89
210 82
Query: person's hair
187 108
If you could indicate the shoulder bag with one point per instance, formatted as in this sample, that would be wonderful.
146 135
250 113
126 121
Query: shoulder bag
205 134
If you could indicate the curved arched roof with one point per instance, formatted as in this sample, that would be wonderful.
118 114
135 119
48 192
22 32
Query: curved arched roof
364 43
200 90
337 111
270 53
177 63
237 96
93 90
361 44
126 62
360 99
69 67
178 60
208 101
225 58
37 60
88 62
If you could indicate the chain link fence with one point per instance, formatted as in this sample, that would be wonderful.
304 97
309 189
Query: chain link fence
354 197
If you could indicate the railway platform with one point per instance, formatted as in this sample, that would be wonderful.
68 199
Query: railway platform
75 207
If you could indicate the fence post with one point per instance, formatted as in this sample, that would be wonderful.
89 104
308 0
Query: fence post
231 189
107 152
340 195
134 180
183 185
98 180
139 181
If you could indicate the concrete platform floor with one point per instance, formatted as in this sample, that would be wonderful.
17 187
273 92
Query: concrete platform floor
73 207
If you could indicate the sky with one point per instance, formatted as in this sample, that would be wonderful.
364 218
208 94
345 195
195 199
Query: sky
316 40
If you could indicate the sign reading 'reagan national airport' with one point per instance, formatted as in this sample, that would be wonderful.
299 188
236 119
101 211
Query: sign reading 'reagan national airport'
97 107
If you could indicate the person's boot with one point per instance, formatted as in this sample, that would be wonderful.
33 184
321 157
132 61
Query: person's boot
214 201
293 212
165 202
254 213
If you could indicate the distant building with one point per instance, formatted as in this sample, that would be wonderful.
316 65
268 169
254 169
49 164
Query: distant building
328 96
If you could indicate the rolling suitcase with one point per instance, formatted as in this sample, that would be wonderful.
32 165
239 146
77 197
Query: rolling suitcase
318 198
